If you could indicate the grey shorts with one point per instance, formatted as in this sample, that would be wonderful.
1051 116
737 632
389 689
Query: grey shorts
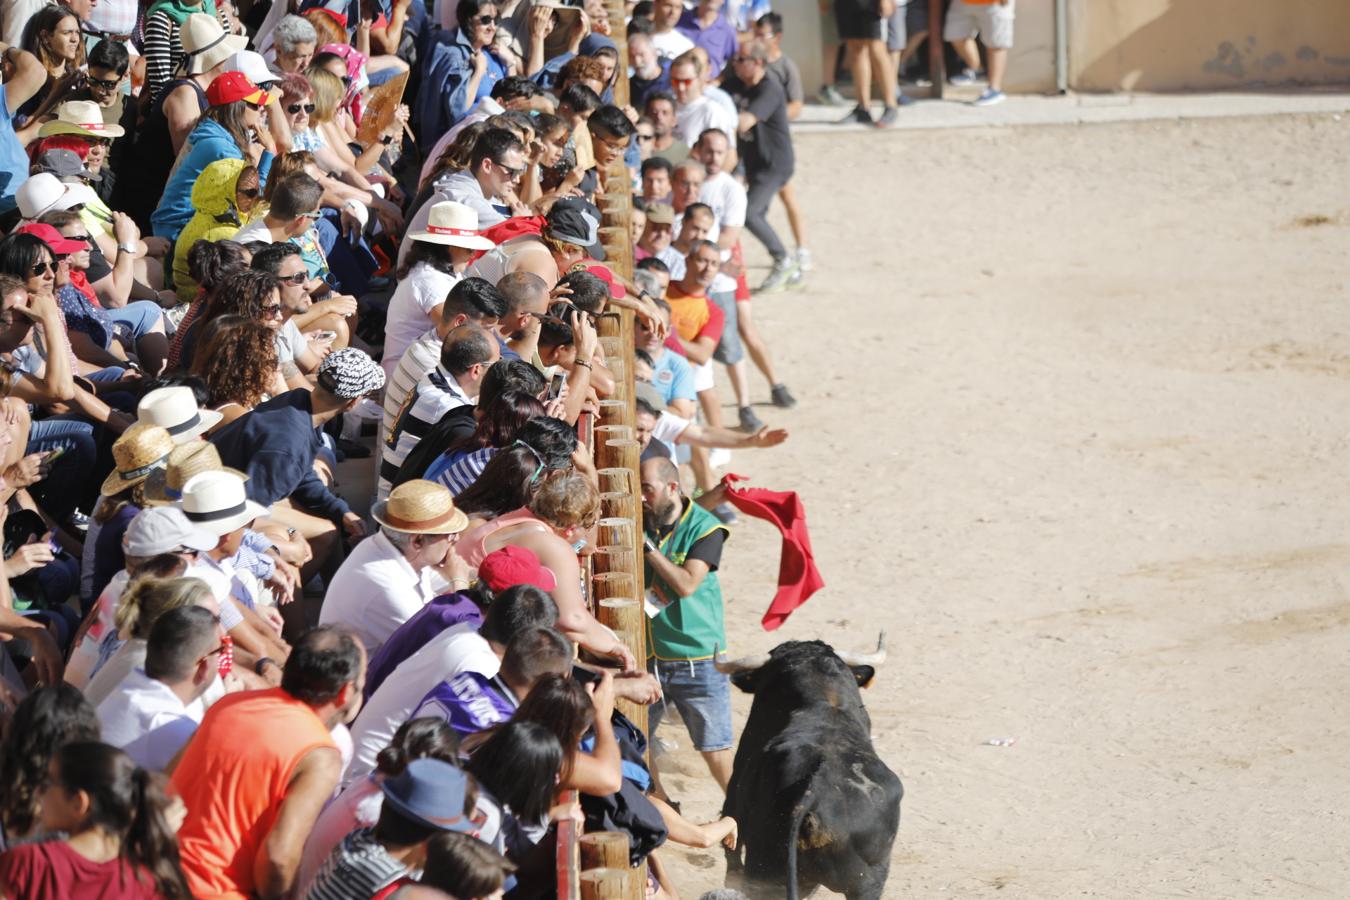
728 349
908 19
991 22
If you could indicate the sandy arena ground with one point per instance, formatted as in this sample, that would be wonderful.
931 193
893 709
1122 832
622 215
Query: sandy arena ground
1073 431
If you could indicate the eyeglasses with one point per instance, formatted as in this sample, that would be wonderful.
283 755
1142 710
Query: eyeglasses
294 108
313 216
273 311
488 20
297 279
511 172
103 85
77 237
41 269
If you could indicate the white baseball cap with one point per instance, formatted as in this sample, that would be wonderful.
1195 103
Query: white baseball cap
252 65
164 529
44 192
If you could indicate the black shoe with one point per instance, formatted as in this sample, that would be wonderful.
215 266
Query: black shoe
352 449
749 421
782 397
859 116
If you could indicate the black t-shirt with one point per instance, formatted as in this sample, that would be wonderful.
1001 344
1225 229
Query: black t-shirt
454 426
768 145
98 264
707 548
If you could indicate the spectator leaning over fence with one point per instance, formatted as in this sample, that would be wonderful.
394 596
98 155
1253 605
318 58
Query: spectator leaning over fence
992 22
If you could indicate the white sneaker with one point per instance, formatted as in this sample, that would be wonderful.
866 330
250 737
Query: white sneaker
804 260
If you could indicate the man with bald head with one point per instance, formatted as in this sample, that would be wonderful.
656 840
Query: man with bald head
517 332
682 548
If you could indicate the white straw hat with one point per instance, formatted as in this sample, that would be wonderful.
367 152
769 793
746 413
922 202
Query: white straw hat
216 502
205 43
175 410
454 225
82 117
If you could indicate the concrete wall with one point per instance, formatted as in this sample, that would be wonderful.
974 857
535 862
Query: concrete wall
1176 45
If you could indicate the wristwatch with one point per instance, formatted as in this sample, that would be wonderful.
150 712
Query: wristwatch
127 248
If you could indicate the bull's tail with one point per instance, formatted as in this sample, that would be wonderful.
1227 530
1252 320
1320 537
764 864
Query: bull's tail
794 835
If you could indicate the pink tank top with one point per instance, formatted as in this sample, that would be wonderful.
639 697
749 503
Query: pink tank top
470 545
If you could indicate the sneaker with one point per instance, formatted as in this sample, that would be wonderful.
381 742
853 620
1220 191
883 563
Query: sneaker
916 81
858 116
904 99
830 97
782 397
804 260
797 279
965 78
778 276
889 117
725 514
990 97
749 421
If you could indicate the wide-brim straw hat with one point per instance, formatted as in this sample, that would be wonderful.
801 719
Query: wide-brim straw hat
140 451
216 502
205 43
82 117
453 224
420 507
175 409
165 486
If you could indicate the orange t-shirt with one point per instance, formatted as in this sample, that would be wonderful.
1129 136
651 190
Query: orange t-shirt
233 778
688 312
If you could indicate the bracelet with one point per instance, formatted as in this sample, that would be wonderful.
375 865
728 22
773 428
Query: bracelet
586 364
460 585
263 661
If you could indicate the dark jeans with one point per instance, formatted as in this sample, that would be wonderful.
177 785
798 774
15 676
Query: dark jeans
351 265
60 492
764 186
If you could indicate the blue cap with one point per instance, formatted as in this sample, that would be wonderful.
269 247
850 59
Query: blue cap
430 791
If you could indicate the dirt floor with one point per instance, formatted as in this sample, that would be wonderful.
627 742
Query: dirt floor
1072 430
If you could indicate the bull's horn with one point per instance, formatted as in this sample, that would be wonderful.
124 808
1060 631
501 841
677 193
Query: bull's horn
732 666
867 659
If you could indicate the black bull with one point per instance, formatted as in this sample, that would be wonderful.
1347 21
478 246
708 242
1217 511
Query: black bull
814 803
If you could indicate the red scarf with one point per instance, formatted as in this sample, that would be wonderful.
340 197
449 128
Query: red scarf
798 577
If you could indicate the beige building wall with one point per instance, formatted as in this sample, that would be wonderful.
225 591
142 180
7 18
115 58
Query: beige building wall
1177 45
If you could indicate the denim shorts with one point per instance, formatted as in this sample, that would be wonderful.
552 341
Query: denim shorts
728 349
701 694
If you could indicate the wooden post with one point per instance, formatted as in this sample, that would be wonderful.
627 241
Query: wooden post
937 64
604 850
607 884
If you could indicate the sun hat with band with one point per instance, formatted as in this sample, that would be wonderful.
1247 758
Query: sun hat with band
216 502
82 117
60 244
454 225
175 410
420 507
44 192
231 87
350 374
510 566
430 792
164 530
205 43
139 452
165 486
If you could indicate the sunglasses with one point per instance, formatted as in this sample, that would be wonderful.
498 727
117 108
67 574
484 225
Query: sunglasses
77 237
251 193
103 85
513 173
297 279
488 20
41 269
257 107
684 81
294 108
274 310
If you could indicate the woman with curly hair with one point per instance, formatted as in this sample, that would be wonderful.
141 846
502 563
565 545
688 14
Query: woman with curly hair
47 718
252 294
209 263
239 364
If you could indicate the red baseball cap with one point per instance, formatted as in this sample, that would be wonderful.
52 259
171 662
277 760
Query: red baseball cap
60 244
234 86
616 288
510 566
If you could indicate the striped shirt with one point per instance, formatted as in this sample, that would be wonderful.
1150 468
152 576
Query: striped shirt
459 470
435 395
417 361
357 868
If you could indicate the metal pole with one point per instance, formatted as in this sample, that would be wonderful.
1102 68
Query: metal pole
1062 46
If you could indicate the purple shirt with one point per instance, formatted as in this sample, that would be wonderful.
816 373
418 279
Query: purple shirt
441 613
719 39
469 702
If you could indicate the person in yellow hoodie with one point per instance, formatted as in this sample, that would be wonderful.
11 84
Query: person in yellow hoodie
226 198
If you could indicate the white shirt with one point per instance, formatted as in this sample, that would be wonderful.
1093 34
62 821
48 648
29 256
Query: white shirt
15 15
456 650
147 720
425 288
376 590
290 342
253 231
670 44
727 198
697 116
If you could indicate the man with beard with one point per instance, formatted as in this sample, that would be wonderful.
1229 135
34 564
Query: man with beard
682 548
260 767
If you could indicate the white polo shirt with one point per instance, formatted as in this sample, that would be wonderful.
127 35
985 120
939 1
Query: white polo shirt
147 720
376 590
458 649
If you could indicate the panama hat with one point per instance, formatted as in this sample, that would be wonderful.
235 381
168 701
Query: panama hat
420 507
205 43
454 225
165 485
82 117
44 192
216 502
138 452
175 410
